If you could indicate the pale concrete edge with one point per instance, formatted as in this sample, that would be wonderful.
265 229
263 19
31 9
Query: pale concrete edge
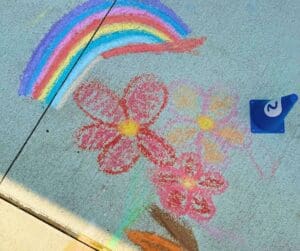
58 217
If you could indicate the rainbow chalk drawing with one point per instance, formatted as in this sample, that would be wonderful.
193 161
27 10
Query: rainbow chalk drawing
267 116
74 43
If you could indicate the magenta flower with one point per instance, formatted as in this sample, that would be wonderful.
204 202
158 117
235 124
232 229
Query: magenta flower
186 189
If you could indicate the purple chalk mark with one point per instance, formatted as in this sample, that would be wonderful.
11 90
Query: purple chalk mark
54 30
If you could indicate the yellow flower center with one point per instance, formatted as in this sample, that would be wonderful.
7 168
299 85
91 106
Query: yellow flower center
205 123
128 128
188 183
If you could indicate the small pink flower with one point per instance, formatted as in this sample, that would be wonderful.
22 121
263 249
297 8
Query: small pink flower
121 126
208 120
186 189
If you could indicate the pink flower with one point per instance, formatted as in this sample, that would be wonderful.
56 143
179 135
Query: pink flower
208 120
186 189
120 128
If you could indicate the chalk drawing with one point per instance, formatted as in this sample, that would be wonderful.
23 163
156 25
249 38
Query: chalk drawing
121 126
179 230
187 189
185 181
221 234
131 27
271 163
150 241
206 120
182 235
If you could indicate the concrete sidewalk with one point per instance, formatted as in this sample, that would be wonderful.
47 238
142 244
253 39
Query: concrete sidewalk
22 232
143 87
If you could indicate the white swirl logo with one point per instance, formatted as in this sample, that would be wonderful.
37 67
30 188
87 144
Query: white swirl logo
273 108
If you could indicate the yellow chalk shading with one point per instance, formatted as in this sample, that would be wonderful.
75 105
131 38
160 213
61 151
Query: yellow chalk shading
205 123
111 28
188 183
105 30
128 128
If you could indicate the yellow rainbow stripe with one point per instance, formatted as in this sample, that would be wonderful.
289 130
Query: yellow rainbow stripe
105 30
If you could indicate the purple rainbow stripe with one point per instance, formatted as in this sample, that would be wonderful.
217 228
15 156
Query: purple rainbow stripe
56 29
76 21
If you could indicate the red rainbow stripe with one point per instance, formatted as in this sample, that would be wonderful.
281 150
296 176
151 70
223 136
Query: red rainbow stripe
58 58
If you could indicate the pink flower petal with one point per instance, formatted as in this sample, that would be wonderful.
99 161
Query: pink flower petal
119 156
155 148
99 103
189 164
174 200
165 178
212 183
95 136
200 208
145 98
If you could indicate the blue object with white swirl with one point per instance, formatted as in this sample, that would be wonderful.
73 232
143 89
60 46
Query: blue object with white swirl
267 116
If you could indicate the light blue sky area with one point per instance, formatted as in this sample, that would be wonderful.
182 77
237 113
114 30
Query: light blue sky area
252 47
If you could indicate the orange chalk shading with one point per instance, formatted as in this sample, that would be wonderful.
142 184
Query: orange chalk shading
231 135
151 241
212 154
179 136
